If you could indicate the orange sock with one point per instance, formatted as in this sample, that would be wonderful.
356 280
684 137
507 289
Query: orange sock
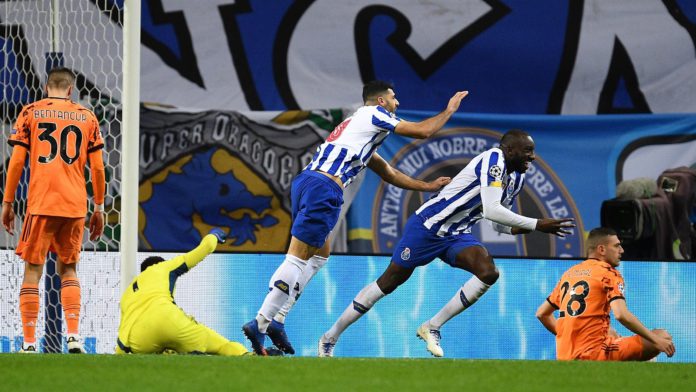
70 298
29 309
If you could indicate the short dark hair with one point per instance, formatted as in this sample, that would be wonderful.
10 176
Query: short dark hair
375 88
510 136
60 78
598 236
150 261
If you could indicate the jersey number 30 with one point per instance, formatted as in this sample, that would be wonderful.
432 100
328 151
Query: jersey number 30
47 136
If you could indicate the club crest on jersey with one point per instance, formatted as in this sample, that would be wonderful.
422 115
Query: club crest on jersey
445 154
495 171
406 254
511 187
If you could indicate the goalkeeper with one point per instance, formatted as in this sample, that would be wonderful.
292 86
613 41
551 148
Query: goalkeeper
150 320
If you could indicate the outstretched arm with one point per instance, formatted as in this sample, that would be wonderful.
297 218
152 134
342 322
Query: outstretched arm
631 322
426 128
393 176
546 317
495 211
14 173
206 247
509 230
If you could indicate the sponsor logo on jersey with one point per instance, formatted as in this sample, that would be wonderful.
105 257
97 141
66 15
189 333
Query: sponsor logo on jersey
543 195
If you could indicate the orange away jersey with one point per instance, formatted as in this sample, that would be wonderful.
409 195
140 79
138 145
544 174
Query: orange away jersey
59 134
582 298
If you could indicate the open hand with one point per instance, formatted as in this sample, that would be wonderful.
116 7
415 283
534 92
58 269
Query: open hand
456 99
558 227
665 345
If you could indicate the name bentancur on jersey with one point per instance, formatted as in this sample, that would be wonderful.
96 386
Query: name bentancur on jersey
60 114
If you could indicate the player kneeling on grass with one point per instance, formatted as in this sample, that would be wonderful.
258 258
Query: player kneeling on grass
583 298
150 320
441 228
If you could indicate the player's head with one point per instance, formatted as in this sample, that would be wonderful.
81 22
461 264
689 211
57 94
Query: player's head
150 261
60 82
518 149
603 244
379 92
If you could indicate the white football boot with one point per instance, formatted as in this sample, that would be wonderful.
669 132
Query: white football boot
431 338
75 345
326 346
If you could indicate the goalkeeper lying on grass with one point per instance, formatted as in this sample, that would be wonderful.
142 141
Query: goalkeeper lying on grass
150 320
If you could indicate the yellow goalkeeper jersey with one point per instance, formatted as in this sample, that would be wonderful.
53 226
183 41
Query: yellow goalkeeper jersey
157 282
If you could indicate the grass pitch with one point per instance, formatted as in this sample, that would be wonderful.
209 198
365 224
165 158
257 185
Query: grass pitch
56 372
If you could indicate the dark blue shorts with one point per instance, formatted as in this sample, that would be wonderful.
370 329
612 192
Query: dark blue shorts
316 205
419 246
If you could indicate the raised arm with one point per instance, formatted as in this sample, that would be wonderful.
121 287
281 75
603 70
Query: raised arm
426 128
395 177
206 247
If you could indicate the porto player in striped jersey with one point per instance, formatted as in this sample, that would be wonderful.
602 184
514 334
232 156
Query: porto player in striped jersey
441 228
317 196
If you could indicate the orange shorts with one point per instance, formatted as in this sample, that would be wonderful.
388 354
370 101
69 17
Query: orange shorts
617 349
42 234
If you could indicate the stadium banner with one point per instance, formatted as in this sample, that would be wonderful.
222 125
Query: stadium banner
515 56
579 162
225 291
205 169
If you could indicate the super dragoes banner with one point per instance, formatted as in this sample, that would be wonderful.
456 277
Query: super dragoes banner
233 170
579 162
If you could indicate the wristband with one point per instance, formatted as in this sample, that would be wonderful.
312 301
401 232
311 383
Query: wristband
99 208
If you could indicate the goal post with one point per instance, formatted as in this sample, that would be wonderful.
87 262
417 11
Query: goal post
131 140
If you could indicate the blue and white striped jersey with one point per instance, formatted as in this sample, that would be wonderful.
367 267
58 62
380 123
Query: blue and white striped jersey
457 207
350 146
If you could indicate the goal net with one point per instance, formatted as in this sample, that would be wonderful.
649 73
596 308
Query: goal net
85 36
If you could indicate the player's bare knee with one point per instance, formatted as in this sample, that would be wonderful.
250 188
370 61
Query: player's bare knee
489 273
387 284
490 276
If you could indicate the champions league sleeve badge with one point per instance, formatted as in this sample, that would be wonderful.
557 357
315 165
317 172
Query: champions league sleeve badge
495 172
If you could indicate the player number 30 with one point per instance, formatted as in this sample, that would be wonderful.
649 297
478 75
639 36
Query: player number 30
47 136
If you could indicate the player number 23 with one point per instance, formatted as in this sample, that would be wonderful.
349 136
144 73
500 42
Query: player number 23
47 136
